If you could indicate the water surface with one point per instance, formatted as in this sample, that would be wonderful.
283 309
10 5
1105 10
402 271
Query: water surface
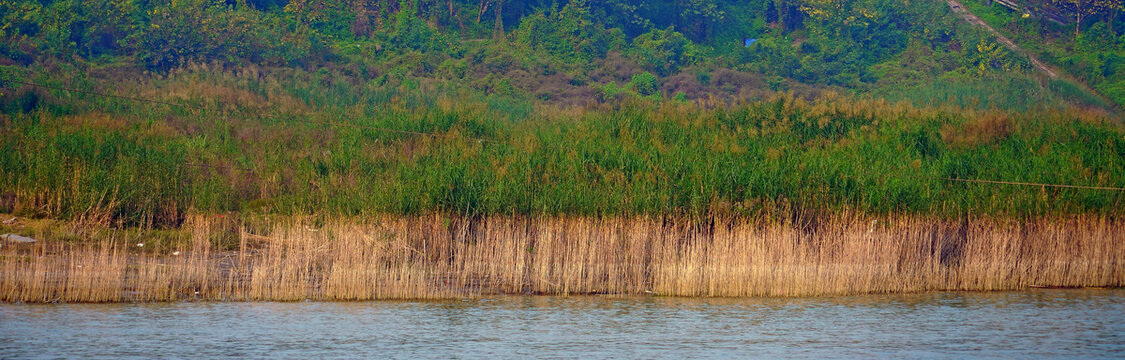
1039 323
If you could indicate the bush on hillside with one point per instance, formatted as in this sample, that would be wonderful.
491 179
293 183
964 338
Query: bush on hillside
662 51
645 83
569 34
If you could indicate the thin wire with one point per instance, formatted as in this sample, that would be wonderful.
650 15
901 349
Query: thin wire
1034 184
218 166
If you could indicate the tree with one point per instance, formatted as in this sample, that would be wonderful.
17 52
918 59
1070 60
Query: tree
482 8
411 32
626 14
771 12
699 16
662 51
101 26
844 16
361 25
498 29
331 17
569 33
1113 9
1081 9
789 14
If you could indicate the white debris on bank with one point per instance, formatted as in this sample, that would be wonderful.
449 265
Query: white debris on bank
17 238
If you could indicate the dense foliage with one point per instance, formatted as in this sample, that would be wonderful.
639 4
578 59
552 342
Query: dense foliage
1094 52
549 49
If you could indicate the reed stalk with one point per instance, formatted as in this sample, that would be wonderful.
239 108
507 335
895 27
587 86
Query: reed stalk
434 256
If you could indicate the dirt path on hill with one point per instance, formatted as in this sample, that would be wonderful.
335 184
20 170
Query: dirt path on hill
973 19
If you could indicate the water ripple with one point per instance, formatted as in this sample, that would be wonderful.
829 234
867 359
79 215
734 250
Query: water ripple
1042 323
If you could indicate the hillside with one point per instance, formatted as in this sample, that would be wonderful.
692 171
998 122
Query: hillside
142 114
1082 41
572 53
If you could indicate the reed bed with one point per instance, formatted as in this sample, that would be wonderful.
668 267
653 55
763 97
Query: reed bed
283 145
434 256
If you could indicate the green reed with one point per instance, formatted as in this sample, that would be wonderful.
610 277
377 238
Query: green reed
291 142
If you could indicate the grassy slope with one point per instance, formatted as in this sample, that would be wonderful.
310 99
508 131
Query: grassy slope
116 160
1054 44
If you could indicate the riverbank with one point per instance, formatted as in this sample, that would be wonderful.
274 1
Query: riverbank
289 145
435 256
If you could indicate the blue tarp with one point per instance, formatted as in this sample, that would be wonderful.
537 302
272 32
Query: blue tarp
749 41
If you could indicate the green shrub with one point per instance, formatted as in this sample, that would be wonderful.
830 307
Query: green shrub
454 69
568 34
208 31
662 51
413 33
645 83
611 91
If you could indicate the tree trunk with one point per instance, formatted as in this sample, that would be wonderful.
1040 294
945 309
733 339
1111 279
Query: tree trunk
1077 20
1077 26
1109 22
483 6
680 17
498 31
360 26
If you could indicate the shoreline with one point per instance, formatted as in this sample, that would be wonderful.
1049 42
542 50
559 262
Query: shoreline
440 257
502 296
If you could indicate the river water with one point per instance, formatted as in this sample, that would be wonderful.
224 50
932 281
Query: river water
1037 323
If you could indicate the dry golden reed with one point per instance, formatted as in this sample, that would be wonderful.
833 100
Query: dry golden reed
440 257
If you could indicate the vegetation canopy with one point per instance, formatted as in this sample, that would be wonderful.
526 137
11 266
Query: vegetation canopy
141 113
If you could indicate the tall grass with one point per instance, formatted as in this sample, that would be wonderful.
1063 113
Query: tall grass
432 256
1011 92
317 148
